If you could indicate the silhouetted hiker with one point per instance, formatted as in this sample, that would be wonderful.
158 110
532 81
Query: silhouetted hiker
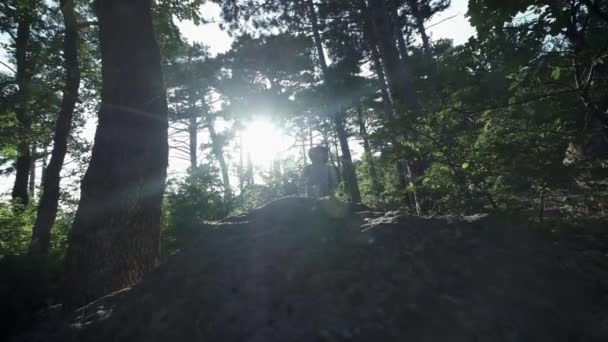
319 177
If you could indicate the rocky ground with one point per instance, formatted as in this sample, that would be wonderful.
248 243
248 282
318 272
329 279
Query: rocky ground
305 270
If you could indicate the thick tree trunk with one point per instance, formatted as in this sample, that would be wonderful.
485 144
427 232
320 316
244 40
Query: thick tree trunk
397 75
49 199
373 173
218 152
348 169
24 120
115 237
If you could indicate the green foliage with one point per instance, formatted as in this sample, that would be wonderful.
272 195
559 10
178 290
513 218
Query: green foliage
190 202
15 228
282 180
369 194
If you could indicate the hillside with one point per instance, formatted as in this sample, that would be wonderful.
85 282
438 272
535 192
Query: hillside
305 270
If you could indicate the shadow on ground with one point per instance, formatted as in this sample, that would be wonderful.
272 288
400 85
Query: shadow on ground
305 270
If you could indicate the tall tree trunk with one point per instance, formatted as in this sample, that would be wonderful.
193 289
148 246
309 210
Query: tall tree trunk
49 199
304 154
386 100
249 174
312 12
373 173
426 46
44 160
32 183
347 164
397 74
24 120
241 171
218 152
115 238
414 193
348 169
337 149
193 138
396 21
310 135
372 45
326 142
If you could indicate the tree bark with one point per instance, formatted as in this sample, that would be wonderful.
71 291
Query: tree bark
348 169
49 199
218 152
32 183
24 120
116 233
397 74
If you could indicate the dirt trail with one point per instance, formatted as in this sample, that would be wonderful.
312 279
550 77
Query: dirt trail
300 270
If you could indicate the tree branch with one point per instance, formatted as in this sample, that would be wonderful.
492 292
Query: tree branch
443 20
8 67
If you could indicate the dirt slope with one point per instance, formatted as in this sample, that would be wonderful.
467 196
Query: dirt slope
300 270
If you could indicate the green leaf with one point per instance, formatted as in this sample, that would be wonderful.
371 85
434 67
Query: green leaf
556 73
465 165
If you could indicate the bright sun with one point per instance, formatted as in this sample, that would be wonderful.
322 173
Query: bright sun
263 141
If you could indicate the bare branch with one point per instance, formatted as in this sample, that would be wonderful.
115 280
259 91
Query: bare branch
8 67
443 20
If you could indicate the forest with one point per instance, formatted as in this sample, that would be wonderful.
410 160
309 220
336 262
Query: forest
120 137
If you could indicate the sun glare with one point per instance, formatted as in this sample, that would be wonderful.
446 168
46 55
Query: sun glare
263 141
